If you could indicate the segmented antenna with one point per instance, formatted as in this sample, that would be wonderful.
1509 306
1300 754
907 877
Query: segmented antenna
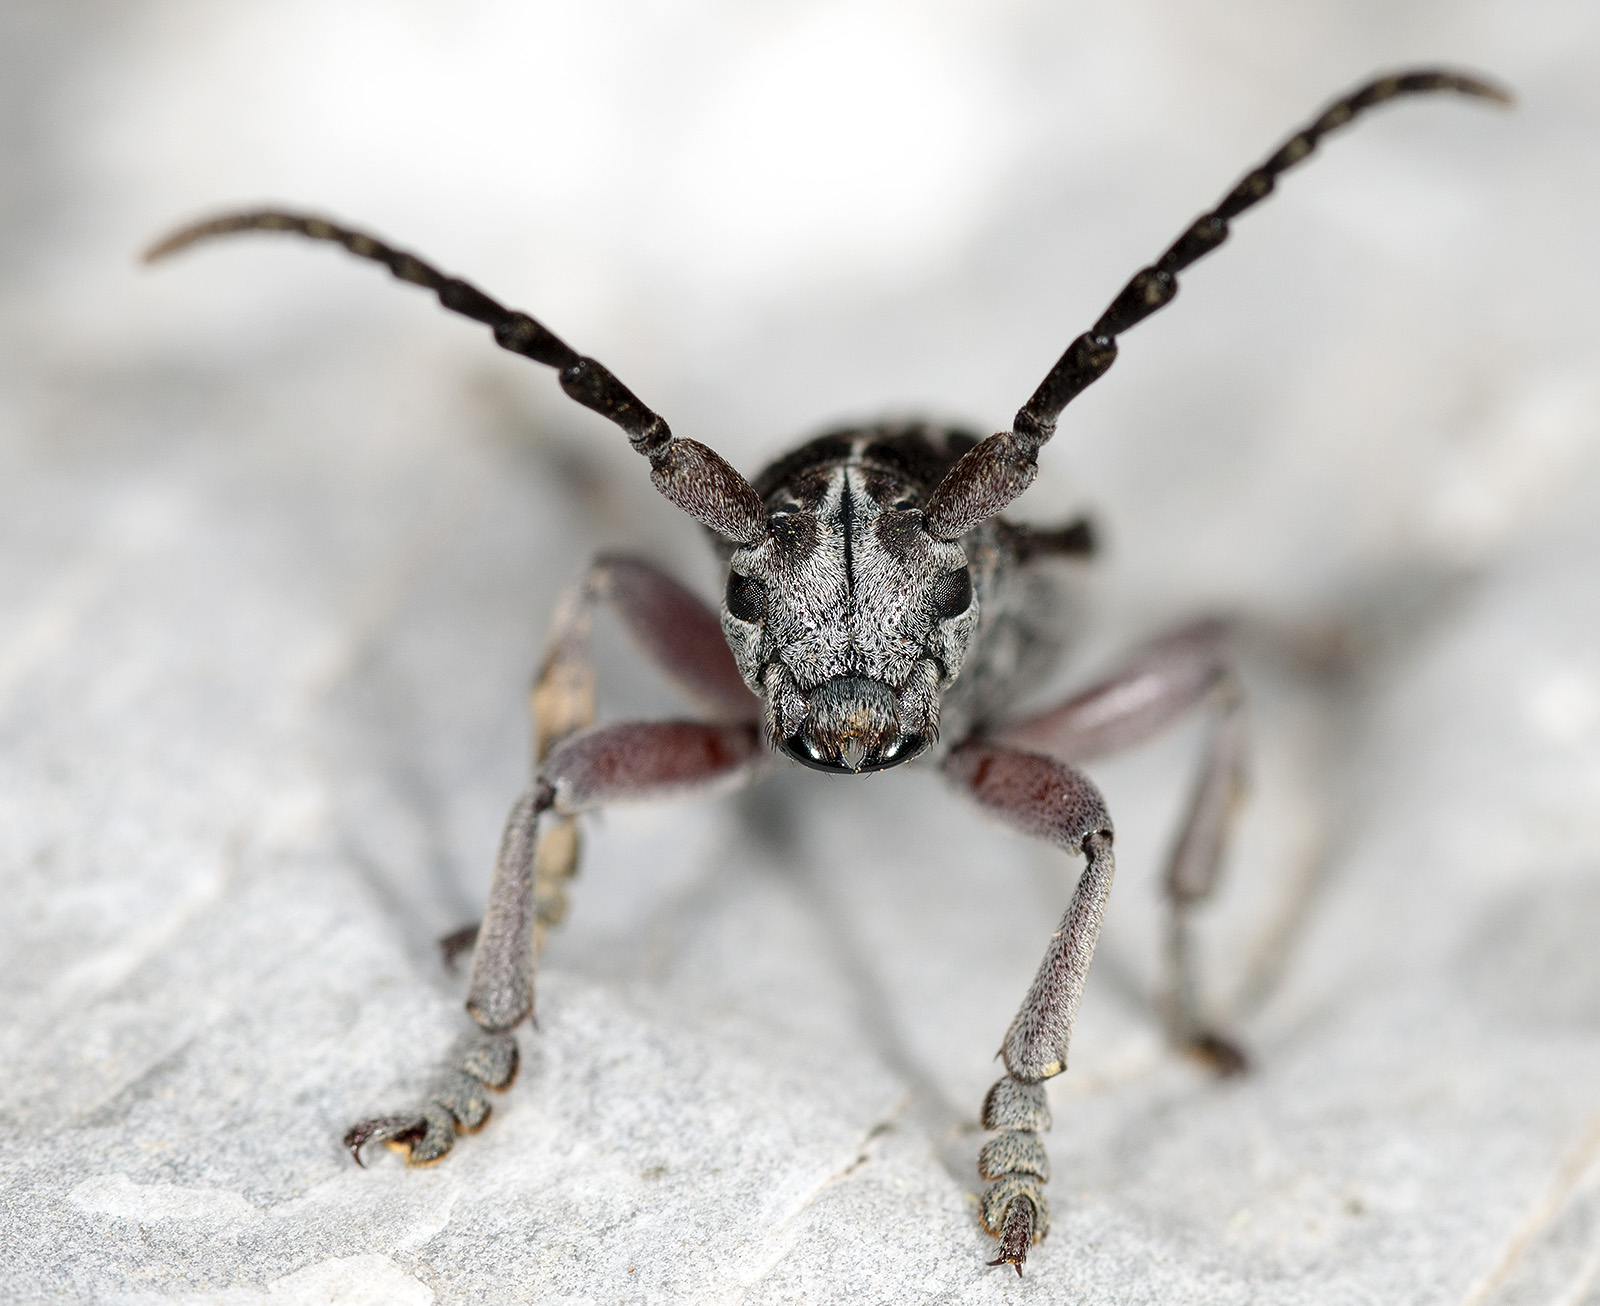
994 473
693 476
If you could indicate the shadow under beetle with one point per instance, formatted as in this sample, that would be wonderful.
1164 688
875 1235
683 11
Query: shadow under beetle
877 609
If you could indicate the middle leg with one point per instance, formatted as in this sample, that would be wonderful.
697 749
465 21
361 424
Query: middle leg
678 631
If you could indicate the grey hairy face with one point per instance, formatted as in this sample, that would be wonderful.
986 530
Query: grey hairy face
849 619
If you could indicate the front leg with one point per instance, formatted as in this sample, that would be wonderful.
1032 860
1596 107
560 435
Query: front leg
612 764
617 763
1047 799
576 769
1154 689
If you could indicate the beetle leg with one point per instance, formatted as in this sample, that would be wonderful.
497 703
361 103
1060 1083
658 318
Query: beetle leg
1194 869
1156 687
678 631
577 768
610 764
1045 798
1074 538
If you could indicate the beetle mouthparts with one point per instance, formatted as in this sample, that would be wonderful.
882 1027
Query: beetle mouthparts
852 757
853 725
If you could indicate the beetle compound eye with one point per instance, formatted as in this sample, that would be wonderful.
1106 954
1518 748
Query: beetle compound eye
747 597
951 594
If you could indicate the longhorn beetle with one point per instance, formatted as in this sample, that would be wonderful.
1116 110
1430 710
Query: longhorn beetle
877 609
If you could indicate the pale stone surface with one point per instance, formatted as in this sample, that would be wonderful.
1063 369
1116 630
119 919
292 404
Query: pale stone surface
278 542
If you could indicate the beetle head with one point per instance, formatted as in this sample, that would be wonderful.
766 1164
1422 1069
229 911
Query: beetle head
849 619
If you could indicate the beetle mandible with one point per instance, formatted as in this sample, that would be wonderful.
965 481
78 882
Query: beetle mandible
877 609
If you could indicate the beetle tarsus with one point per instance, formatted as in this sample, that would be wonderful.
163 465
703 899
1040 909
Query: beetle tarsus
382 1129
457 944
1223 1057
1017 1235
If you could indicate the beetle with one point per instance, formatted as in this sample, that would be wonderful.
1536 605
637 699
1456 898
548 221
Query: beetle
877 610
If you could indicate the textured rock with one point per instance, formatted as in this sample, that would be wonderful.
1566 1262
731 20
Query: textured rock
278 542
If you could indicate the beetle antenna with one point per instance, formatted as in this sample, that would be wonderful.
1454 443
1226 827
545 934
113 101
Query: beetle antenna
696 478
990 476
